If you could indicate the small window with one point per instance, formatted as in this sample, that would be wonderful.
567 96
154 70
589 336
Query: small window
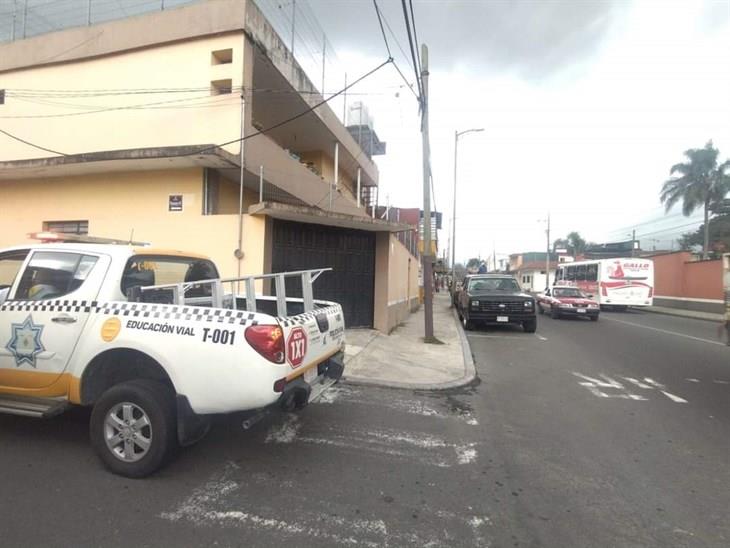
221 57
51 274
221 87
571 273
581 273
2 96
66 227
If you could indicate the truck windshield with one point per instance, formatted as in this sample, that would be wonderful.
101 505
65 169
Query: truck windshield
493 284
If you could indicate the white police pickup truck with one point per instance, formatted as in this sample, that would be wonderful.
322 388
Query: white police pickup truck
153 342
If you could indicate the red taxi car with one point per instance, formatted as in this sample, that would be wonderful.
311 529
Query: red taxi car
567 301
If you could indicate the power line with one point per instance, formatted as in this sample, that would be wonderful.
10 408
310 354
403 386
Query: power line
32 144
413 54
292 118
387 47
382 29
415 35
214 147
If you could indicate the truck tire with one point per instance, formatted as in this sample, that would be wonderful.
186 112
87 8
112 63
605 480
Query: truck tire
530 326
467 323
133 427
594 318
540 309
554 313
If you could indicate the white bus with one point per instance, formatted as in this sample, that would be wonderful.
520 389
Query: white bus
614 283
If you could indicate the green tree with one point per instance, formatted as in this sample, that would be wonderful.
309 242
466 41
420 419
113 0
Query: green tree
473 263
719 234
699 182
577 244
573 243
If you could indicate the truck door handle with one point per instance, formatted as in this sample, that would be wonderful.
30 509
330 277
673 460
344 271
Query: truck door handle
63 318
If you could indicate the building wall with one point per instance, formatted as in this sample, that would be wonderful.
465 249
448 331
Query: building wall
537 282
402 283
74 124
116 204
668 273
682 283
325 165
396 283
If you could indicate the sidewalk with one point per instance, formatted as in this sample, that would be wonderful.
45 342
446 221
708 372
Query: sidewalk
685 313
403 360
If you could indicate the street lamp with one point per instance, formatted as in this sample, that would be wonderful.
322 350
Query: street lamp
457 134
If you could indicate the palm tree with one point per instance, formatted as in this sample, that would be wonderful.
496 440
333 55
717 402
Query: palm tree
699 182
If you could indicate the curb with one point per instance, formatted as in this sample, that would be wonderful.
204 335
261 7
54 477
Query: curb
469 375
682 314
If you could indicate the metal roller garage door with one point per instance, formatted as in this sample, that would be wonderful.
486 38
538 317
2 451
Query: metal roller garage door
351 253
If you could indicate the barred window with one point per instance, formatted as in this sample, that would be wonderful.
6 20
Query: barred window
66 227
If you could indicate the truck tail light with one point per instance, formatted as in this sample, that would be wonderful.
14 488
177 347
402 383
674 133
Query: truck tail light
267 340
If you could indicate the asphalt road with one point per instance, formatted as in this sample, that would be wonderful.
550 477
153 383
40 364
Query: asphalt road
615 433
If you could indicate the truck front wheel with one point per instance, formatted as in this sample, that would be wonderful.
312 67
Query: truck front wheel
530 326
133 427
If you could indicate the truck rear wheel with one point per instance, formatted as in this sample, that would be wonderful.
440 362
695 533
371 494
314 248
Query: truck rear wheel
133 427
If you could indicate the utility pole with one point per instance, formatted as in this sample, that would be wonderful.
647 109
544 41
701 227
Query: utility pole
633 243
426 257
547 255
452 245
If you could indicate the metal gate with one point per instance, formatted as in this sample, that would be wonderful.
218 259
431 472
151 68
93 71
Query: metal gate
351 255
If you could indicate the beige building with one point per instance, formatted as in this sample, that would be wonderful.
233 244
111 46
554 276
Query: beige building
132 128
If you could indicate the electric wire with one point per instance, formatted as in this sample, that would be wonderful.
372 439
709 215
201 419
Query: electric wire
32 144
382 29
214 147
415 35
292 118
387 47
413 54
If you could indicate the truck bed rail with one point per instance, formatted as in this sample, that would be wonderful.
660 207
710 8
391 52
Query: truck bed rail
218 298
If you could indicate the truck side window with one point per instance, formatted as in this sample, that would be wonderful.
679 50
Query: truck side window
10 264
51 274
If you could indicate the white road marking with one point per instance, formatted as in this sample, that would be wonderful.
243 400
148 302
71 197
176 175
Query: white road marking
661 389
692 380
223 501
594 385
410 406
674 333
541 337
672 397
286 432
638 383
388 442
721 382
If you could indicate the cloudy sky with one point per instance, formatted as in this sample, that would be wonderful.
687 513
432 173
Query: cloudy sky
585 106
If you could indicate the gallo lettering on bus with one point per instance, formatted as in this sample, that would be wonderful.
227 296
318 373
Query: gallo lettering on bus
296 347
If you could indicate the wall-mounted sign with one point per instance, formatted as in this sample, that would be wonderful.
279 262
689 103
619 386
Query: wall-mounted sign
175 202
